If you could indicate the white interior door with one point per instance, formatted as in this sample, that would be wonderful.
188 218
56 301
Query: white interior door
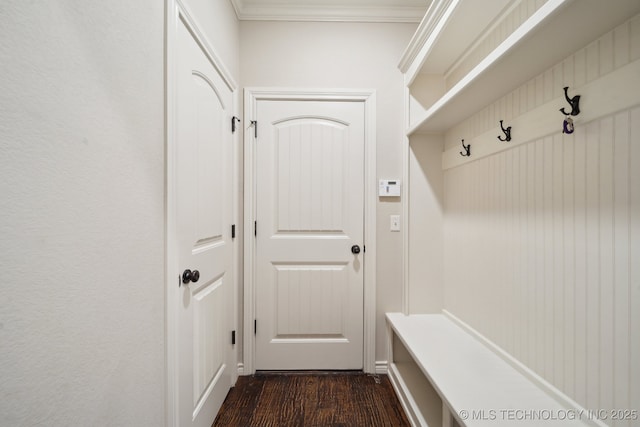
310 213
203 217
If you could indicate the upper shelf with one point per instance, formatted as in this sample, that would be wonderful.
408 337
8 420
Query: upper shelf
557 29
456 22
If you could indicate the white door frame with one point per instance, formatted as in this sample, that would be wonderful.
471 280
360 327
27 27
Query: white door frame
176 12
251 98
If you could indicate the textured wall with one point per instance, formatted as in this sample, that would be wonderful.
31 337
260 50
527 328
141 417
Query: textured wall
82 213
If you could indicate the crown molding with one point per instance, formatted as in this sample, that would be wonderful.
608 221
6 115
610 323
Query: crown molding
280 12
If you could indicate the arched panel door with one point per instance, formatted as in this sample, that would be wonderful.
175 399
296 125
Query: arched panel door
203 215
310 215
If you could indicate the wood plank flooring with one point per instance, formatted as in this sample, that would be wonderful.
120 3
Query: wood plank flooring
312 399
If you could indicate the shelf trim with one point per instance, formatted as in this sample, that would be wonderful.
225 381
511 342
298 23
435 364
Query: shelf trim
519 34
430 27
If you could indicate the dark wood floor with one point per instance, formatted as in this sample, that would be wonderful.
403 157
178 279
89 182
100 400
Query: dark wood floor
312 399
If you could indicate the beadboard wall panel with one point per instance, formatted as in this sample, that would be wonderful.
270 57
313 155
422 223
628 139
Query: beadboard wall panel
610 52
540 240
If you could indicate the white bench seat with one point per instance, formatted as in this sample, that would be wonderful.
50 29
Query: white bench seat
476 385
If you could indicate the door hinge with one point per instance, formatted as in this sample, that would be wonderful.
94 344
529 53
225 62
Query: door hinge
254 123
255 326
233 231
255 228
233 123
233 337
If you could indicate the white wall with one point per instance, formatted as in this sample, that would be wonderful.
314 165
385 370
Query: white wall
82 208
425 290
344 55
82 307
542 240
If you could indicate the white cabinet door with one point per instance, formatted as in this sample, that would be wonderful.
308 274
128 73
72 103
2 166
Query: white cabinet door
310 213
203 216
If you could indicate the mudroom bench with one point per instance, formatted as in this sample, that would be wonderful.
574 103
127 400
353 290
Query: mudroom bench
446 376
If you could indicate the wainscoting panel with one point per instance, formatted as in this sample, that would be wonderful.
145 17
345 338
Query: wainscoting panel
542 256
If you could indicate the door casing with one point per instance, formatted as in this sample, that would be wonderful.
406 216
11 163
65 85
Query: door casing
176 10
251 97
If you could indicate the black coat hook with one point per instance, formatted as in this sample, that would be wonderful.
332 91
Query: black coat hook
573 102
467 150
507 133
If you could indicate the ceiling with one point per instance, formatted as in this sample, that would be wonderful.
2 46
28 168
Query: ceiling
331 10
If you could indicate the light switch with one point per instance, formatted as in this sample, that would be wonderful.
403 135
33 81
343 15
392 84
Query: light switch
395 223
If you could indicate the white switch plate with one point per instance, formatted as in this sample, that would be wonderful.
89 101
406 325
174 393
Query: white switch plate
389 188
395 223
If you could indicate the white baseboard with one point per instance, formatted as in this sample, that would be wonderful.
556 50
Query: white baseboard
382 367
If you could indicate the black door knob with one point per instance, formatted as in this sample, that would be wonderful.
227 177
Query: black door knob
186 276
190 276
355 249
